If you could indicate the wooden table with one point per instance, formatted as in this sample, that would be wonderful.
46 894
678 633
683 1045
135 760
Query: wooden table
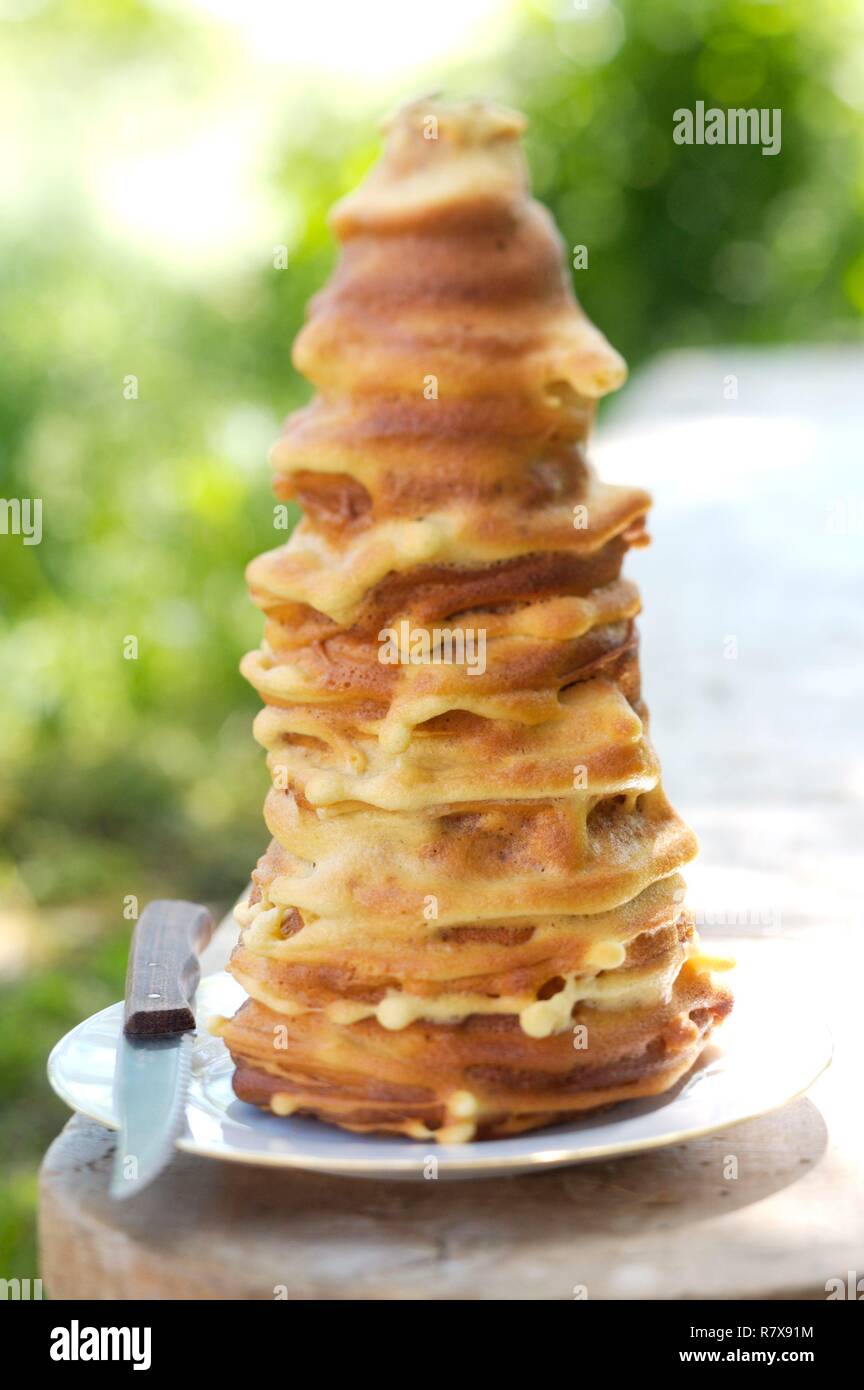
753 634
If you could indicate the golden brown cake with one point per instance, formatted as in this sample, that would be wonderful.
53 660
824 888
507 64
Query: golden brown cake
470 920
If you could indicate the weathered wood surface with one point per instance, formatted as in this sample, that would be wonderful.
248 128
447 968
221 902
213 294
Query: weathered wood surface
752 640
663 1225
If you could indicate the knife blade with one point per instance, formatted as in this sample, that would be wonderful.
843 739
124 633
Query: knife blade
154 1056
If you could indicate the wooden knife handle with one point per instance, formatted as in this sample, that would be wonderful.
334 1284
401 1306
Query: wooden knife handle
163 971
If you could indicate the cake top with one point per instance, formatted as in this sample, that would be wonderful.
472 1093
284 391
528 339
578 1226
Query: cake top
456 377
440 158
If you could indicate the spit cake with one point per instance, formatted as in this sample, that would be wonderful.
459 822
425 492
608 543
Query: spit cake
470 919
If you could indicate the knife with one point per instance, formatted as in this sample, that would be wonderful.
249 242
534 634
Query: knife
154 1057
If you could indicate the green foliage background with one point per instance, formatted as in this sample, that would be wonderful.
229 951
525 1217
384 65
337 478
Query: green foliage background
140 777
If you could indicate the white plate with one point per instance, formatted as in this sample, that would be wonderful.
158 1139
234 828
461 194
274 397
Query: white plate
766 1054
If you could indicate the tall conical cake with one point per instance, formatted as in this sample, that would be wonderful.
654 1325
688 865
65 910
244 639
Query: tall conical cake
469 921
